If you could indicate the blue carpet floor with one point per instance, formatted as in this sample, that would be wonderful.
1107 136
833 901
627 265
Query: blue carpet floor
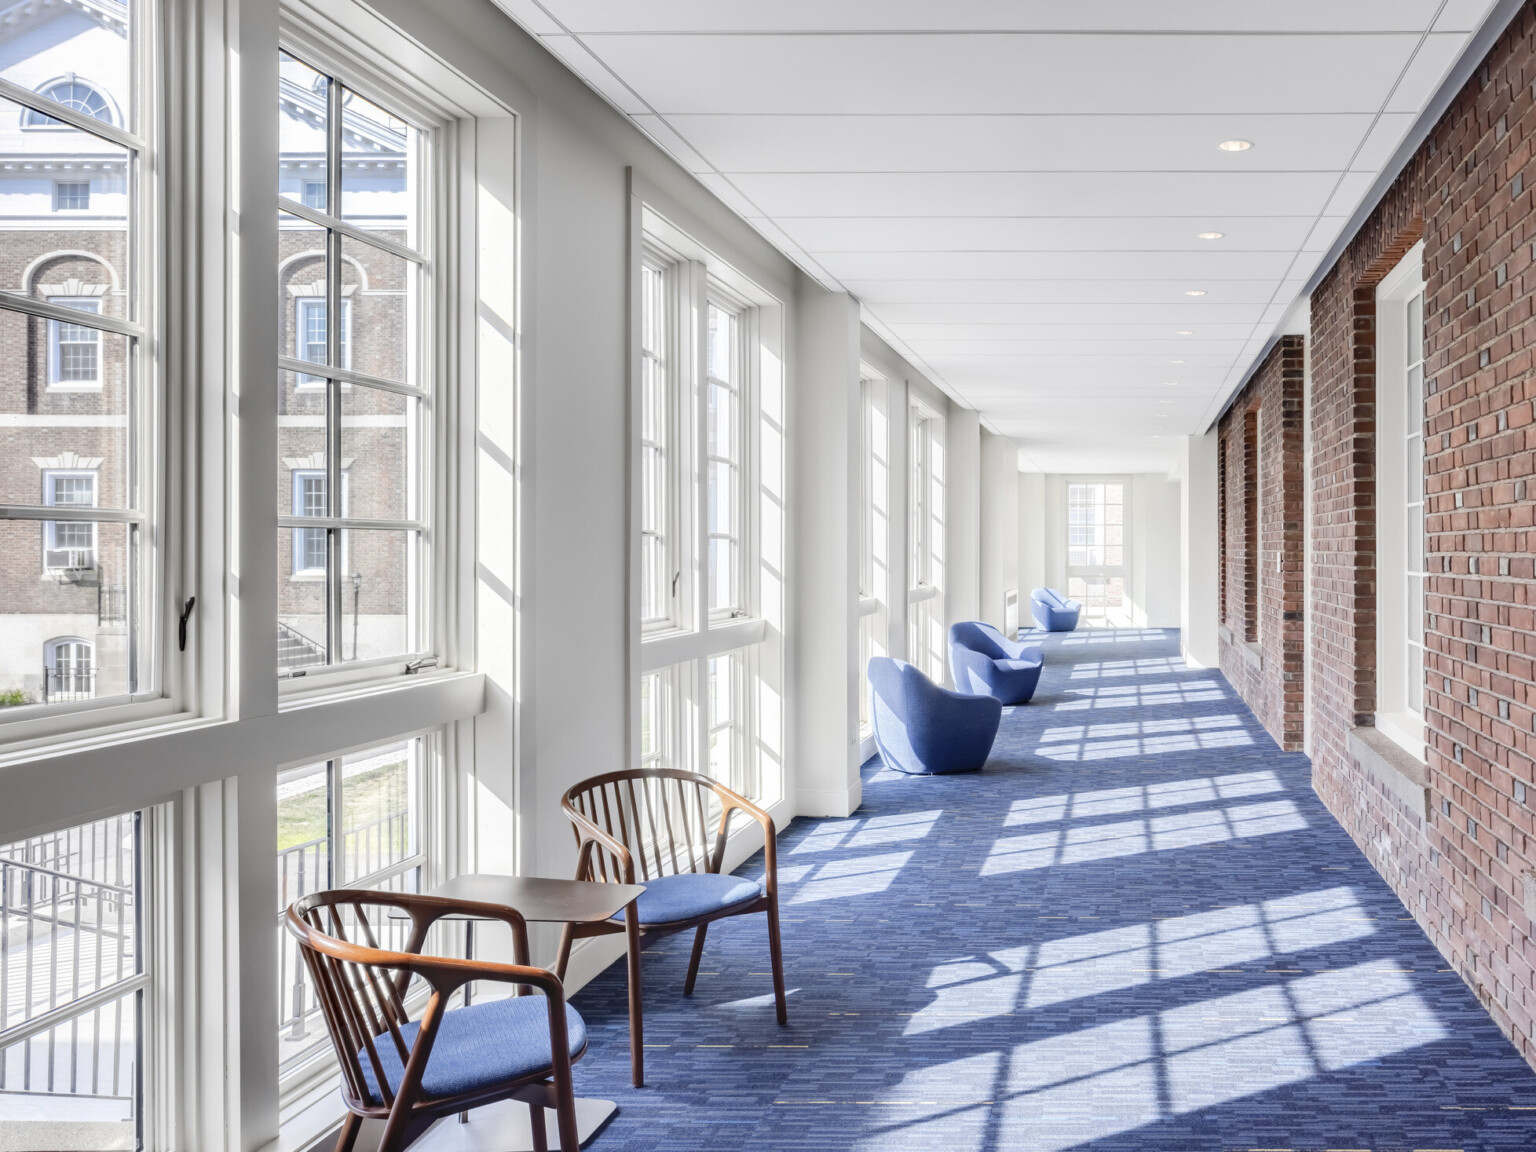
1138 929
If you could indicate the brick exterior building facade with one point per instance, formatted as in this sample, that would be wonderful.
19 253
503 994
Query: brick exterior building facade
1262 541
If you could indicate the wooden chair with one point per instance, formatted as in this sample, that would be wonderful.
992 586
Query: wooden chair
410 1073
652 827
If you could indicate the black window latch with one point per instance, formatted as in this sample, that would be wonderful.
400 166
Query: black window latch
181 628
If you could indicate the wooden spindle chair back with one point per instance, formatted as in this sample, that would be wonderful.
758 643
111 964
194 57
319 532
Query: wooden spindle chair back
365 992
668 820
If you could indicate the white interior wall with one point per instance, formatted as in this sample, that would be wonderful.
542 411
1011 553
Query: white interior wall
999 544
1153 541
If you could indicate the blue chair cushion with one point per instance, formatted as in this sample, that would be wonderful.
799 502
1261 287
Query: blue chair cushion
690 894
478 1047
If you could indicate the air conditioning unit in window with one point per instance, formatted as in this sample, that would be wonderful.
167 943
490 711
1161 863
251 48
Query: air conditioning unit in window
75 563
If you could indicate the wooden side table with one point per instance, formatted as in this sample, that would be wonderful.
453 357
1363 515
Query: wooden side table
505 1128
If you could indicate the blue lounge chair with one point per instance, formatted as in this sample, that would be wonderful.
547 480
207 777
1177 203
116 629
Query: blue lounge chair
1053 611
925 730
987 663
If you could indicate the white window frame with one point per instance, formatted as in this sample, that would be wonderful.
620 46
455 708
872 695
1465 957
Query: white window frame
299 475
927 465
429 574
1400 584
874 512
684 642
664 365
1101 570
51 543
302 307
58 195
739 461
86 306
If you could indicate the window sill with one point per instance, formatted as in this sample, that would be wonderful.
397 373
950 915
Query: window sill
131 721
676 647
1253 654
1401 773
55 386
299 694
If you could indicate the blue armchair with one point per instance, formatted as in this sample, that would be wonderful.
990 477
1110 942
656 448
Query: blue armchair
1053 611
987 663
924 730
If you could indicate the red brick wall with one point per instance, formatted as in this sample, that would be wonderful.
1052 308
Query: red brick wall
1262 598
1467 194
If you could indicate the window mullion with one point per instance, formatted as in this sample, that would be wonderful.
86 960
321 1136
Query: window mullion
333 349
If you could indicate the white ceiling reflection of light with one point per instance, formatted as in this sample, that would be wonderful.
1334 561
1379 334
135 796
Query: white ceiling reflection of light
1015 190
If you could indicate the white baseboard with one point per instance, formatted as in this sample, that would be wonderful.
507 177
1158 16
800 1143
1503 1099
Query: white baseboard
830 801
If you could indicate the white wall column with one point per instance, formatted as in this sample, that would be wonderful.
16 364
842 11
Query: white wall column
824 534
999 525
1198 604
962 514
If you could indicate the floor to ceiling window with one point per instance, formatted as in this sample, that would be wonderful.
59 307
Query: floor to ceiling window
709 445
874 513
1096 549
926 544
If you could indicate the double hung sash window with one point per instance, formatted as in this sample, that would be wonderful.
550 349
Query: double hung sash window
1400 544
699 424
80 388
357 394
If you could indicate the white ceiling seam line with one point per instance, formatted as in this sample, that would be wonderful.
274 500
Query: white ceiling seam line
1220 401
1481 43
819 274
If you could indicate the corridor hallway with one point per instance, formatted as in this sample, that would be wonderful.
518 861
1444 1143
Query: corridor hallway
1138 929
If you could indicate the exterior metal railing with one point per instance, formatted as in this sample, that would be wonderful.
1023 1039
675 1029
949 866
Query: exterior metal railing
70 965
62 685
111 605
368 850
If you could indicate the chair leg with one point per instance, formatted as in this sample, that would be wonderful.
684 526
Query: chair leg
563 956
536 1125
693 961
565 1113
776 955
350 1127
636 1024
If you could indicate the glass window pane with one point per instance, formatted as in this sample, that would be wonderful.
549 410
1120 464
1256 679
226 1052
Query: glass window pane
721 342
301 293
72 901
379 177
1415 453
1416 538
380 441
722 574
383 324
722 497
302 119
303 815
1415 608
1415 678
56 428
301 571
722 422
381 578
377 811
1415 422
64 636
1416 329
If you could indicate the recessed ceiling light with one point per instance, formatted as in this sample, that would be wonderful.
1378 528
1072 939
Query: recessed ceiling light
1175 361
1209 235
1235 145
1195 292
1184 332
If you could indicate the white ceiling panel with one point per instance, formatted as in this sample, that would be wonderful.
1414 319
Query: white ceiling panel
1173 292
1112 16
1212 263
1014 189
1045 234
988 73
928 143
1176 316
1057 194
1430 64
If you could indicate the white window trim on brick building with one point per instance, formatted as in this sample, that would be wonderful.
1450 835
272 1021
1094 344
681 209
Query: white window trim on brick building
1400 538
90 306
